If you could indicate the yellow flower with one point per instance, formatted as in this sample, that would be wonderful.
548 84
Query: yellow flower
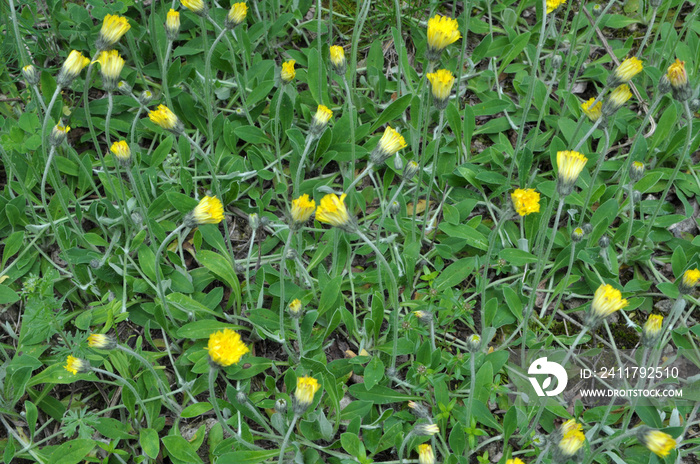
195 6
606 300
163 117
569 164
236 15
295 307
75 365
441 83
111 65
288 73
302 209
425 454
101 341
332 211
320 119
208 211
593 112
426 430
58 134
652 329
515 461
616 99
172 24
571 442
629 68
71 68
677 78
30 74
570 425
225 347
304 394
554 4
526 201
338 59
677 74
121 151
390 143
659 443
113 28
442 31
689 280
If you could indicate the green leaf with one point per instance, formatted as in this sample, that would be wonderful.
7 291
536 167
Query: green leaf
149 442
252 135
181 449
471 235
379 394
392 112
351 443
72 452
222 267
196 409
454 274
7 295
203 329
513 50
374 372
248 457
517 257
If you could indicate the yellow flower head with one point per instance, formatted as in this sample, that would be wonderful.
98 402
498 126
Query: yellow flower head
677 74
629 68
593 112
236 15
71 68
320 119
302 209
172 24
616 99
526 201
30 74
606 300
441 83
121 151
569 165
288 73
689 280
442 31
58 134
570 425
338 59
571 442
554 4
390 143
425 454
101 341
76 365
163 117
332 211
658 442
225 347
195 6
652 329
111 65
208 211
113 28
304 394
515 461
295 307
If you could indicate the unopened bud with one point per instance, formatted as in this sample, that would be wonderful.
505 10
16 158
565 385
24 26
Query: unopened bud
597 10
410 170
124 88
241 397
398 162
637 171
604 241
474 343
577 235
30 74
394 208
636 196
254 221
281 406
557 61
587 228
145 97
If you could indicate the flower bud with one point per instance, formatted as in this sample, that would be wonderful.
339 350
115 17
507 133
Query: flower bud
424 316
254 221
651 331
281 406
58 134
597 10
124 88
410 170
30 74
398 162
172 24
145 97
426 430
587 228
577 235
557 61
338 59
637 171
604 241
295 309
473 343
236 15
394 208
419 410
